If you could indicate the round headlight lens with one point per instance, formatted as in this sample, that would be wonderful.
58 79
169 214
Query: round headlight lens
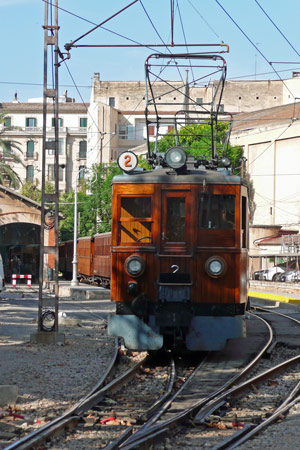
176 157
135 266
215 266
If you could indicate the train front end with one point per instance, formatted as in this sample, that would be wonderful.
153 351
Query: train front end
179 257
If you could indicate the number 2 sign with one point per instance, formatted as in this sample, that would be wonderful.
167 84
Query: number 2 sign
127 161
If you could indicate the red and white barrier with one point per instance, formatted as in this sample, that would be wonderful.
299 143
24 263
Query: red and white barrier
15 276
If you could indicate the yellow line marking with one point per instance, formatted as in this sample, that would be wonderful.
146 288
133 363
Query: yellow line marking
276 297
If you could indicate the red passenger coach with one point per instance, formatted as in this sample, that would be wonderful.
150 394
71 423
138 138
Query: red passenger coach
94 260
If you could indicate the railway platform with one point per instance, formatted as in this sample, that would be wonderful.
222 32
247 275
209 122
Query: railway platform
276 293
80 292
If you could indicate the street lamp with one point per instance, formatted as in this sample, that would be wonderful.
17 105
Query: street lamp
74 281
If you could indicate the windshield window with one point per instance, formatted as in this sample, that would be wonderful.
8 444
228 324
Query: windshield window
216 211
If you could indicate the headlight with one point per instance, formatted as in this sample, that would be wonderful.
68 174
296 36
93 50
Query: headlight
215 266
176 157
135 266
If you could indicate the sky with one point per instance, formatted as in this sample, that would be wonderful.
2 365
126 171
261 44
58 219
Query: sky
235 22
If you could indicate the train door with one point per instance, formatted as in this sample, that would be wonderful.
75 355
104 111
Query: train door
175 233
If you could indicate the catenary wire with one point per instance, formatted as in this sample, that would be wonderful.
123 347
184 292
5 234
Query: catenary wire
255 46
277 28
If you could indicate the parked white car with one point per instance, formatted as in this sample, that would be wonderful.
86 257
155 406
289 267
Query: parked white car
2 279
293 276
269 274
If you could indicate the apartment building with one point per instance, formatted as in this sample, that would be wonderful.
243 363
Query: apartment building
24 126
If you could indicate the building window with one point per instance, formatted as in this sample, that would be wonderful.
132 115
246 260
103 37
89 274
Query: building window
51 174
82 149
83 122
7 151
29 173
81 172
111 101
126 132
30 150
151 130
51 151
60 122
30 122
7 122
221 109
199 100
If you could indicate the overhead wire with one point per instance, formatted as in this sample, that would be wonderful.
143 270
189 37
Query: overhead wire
155 29
255 46
184 36
104 28
205 21
277 28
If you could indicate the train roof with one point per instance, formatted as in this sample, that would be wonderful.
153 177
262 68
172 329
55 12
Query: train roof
169 176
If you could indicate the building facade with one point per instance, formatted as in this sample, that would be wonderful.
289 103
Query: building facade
117 123
24 126
271 142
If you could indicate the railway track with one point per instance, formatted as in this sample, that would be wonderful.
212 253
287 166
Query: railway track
183 407
233 418
189 400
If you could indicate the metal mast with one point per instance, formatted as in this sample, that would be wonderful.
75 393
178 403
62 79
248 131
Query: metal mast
48 305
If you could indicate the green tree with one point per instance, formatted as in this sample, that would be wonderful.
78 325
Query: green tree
32 191
93 204
197 141
101 197
9 156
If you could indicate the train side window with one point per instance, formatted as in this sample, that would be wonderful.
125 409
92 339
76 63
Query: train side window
216 211
244 222
135 220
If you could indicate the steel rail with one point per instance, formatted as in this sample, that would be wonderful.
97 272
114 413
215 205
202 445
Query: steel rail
251 430
148 415
213 400
71 417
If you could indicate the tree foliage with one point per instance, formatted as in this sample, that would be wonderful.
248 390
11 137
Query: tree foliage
9 156
196 139
94 204
32 191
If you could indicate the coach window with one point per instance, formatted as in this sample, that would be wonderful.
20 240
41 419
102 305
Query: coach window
216 211
244 223
135 220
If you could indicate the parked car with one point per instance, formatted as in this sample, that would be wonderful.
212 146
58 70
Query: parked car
292 276
258 275
269 274
2 279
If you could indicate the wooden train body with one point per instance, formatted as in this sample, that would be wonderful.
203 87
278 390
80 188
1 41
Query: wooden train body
179 258
94 259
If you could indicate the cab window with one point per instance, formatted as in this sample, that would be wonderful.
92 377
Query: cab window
135 220
216 211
